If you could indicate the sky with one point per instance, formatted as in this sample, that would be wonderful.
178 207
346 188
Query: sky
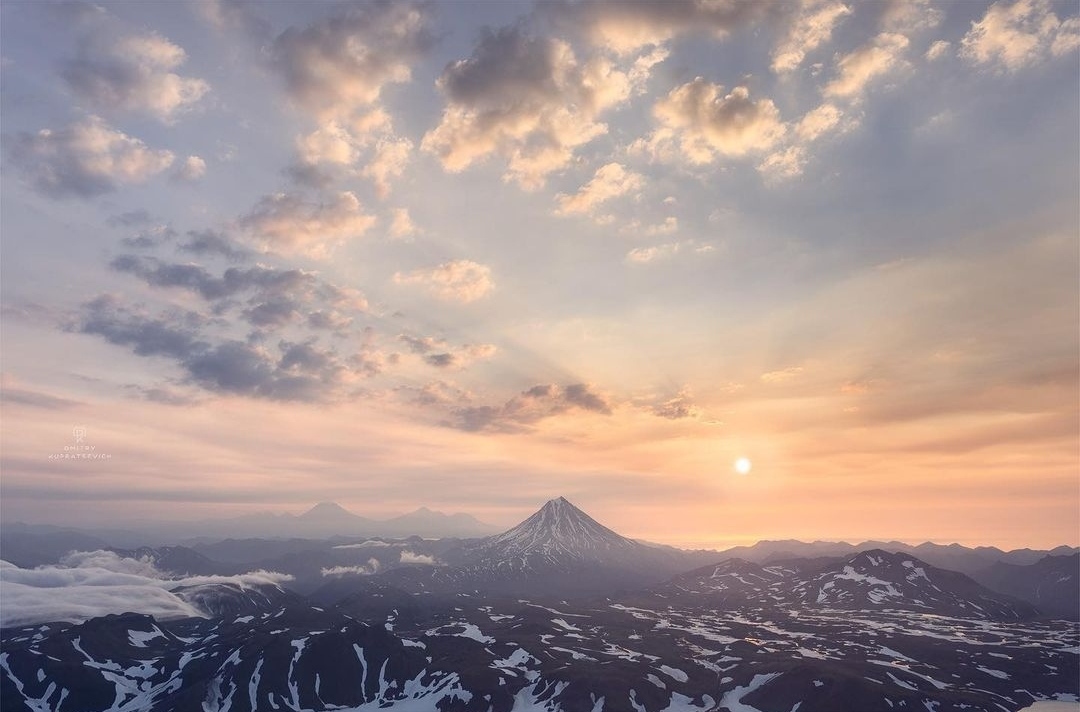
477 255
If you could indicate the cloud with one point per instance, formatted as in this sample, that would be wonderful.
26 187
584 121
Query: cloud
437 393
132 218
364 544
149 238
707 123
235 15
789 159
645 255
678 407
216 362
819 122
287 223
610 181
289 312
910 16
262 283
856 70
163 395
86 159
372 567
330 143
209 243
529 100
436 352
341 64
811 28
411 557
133 73
388 162
938 50
336 70
334 150
783 164
402 225
190 170
1015 35
174 335
532 405
85 585
782 376
38 400
627 26
460 280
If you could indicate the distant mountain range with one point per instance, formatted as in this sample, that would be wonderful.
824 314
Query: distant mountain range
323 521
947 556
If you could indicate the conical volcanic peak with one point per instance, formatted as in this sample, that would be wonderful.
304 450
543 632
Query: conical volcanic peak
559 530
327 510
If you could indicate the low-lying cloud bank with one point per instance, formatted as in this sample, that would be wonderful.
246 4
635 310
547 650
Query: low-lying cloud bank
86 584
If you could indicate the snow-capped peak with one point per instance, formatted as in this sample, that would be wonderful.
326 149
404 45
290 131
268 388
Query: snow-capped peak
558 531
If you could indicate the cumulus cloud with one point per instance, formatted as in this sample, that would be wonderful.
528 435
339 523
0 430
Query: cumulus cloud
856 70
262 284
330 143
96 583
190 170
1015 35
215 361
366 148
291 313
287 223
211 243
811 28
910 16
627 26
938 50
341 64
784 164
86 159
789 159
528 99
412 557
460 280
818 122
235 15
401 224
610 181
706 123
437 393
336 70
678 407
134 73
530 406
389 160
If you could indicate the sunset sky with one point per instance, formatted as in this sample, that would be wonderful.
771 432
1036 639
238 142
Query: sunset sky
476 255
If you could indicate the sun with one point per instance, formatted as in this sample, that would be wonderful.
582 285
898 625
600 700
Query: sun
743 465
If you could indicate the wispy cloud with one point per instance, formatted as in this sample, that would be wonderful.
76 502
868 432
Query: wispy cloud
458 281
